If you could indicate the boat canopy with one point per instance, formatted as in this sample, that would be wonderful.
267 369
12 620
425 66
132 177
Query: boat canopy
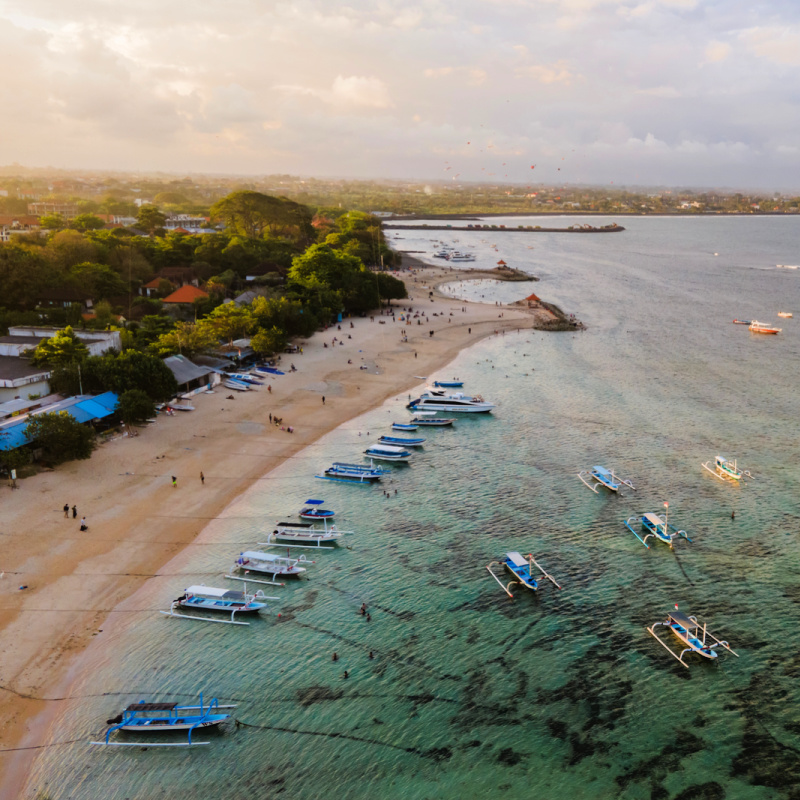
314 502
516 559
385 448
683 620
301 525
255 555
151 706
602 471
653 519
210 591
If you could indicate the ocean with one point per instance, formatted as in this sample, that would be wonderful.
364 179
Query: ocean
558 694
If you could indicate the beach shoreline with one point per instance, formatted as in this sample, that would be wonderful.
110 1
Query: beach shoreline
75 580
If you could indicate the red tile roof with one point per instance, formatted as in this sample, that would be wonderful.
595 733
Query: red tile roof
186 294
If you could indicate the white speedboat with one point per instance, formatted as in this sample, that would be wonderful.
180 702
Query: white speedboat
387 452
763 327
432 400
459 256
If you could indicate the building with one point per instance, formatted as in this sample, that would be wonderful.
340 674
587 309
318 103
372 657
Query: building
26 337
191 378
19 379
186 295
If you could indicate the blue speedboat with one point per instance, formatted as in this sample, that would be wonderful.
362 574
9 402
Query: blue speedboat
402 426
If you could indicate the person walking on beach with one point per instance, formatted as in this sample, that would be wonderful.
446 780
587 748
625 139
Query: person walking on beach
66 510
84 526
323 399
174 482
202 478
74 512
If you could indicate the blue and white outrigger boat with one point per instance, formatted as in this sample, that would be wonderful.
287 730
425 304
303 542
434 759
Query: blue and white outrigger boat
224 601
522 570
312 510
403 426
399 441
429 419
656 527
689 631
233 383
453 384
605 477
253 561
726 470
145 717
388 452
353 473
305 533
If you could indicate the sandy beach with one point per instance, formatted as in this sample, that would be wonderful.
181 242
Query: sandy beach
138 521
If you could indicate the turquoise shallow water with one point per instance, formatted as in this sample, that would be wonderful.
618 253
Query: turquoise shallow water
559 694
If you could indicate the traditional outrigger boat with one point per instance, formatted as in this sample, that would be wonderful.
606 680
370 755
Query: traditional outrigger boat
304 533
246 377
399 441
692 634
604 477
267 564
522 570
224 601
313 510
726 470
387 452
743 322
429 419
239 386
143 717
656 527
266 371
453 384
353 473
403 426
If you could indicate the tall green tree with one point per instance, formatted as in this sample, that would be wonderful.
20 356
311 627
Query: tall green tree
150 219
254 215
64 347
60 436
135 407
86 222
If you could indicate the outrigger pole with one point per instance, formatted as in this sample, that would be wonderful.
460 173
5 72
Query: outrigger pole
504 588
546 575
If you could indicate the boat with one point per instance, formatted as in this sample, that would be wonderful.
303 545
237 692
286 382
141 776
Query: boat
402 426
442 254
431 421
353 473
692 634
223 601
743 322
181 407
763 327
400 441
246 377
267 564
605 477
303 532
656 527
453 384
239 386
785 314
387 452
787 266
522 570
313 510
726 470
266 371
453 401
144 717
457 255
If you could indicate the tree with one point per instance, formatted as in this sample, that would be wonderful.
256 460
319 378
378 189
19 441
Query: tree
96 280
390 288
61 436
135 407
267 342
24 274
229 321
186 338
86 222
64 347
253 214
149 219
52 222
65 249
17 458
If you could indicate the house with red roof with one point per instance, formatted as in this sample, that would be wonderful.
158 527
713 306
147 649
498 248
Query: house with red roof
185 295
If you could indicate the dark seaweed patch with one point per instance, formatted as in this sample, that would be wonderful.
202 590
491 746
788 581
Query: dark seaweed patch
702 791
509 757
316 694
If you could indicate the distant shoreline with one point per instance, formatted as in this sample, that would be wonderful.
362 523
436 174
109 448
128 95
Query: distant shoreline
476 216
503 229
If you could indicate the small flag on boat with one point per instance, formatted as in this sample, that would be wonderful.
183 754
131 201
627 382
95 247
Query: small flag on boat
666 505
676 606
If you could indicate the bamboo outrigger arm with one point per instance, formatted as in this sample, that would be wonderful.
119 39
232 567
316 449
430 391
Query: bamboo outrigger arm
592 486
542 570
505 588
665 645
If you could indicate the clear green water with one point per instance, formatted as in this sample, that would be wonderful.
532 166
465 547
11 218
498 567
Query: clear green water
555 695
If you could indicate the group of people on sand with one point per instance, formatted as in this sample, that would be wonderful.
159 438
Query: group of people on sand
84 526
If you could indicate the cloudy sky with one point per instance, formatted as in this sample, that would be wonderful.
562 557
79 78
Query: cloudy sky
676 92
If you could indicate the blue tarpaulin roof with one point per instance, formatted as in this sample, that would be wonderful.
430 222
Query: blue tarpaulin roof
82 409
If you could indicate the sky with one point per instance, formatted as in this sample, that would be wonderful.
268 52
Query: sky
648 92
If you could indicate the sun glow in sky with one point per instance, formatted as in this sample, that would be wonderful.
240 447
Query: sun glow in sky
688 92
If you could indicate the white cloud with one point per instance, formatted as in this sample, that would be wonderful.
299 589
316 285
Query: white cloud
359 91
558 72
780 45
717 51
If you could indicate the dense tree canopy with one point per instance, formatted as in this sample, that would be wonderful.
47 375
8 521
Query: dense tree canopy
63 347
60 436
257 215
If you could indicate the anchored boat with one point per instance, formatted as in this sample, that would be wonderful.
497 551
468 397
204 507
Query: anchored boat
313 510
762 327
387 452
433 400
143 717
304 533
353 473
726 470
605 477
429 419
785 314
400 441
218 601
522 570
656 527
453 384
689 631
267 564
403 426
